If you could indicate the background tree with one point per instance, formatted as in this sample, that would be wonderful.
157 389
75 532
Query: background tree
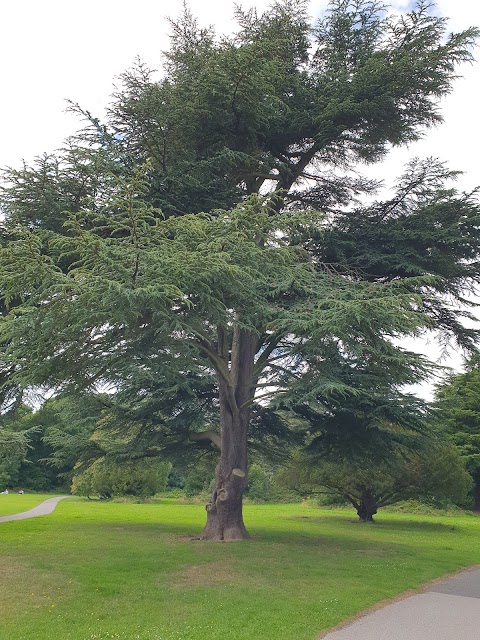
458 416
140 478
253 294
16 435
66 425
433 475
369 441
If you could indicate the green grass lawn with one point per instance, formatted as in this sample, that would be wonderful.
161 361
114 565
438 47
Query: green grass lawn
96 571
15 503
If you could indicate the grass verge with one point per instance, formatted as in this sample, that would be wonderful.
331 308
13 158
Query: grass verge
15 503
96 571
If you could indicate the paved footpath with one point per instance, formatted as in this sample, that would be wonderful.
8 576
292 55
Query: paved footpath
447 610
42 509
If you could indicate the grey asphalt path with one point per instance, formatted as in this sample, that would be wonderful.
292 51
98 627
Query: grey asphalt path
447 610
42 509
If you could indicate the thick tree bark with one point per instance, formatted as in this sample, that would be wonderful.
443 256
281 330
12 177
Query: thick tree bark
236 392
367 506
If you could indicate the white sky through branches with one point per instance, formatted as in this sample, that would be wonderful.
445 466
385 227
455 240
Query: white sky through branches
53 50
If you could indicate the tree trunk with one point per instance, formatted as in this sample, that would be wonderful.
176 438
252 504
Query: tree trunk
224 511
367 506
236 392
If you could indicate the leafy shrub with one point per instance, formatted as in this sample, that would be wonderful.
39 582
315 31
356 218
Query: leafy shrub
130 478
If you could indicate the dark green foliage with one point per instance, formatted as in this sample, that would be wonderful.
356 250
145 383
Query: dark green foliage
144 259
67 425
160 289
353 404
42 194
426 227
435 475
458 416
279 101
35 473
40 449
16 436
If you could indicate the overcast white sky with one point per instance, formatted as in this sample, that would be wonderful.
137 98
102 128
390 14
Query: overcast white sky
53 50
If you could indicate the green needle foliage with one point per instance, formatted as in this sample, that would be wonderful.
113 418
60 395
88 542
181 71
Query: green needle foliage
205 249
436 475
16 435
458 416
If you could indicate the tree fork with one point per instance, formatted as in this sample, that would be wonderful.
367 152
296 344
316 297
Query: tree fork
224 511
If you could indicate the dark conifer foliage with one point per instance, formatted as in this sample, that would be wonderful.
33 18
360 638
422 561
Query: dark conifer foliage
206 248
458 417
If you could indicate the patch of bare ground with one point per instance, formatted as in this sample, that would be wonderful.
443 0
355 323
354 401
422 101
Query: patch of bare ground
25 588
205 575
185 538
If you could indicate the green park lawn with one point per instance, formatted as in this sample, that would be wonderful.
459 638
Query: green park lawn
14 503
96 571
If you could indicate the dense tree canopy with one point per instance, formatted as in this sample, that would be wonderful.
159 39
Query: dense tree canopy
206 242
436 475
458 415
16 434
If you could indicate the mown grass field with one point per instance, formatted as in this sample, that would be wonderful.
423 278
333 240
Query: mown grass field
15 503
95 571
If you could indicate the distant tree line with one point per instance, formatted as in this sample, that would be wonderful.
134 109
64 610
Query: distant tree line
68 444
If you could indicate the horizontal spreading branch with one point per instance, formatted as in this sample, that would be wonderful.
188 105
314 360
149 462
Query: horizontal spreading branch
213 436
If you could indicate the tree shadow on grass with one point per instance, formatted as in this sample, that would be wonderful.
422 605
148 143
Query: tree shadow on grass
398 523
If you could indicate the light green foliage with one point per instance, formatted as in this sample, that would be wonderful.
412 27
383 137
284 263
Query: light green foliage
173 279
159 286
259 483
130 478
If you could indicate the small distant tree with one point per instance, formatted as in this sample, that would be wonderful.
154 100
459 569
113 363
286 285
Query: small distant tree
198 476
458 416
436 475
141 478
16 434
13 450
259 483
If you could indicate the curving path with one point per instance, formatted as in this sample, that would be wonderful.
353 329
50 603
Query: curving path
446 610
42 509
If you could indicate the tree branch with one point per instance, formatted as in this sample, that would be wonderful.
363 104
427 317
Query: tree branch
213 436
270 345
219 364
